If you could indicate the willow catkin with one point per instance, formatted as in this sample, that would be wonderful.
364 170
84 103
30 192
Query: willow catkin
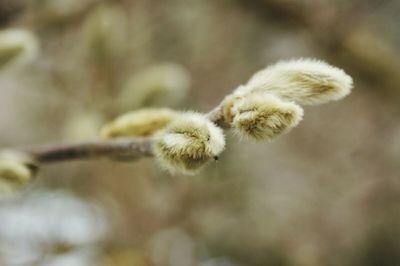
304 81
104 33
17 47
264 116
188 143
15 175
163 84
140 123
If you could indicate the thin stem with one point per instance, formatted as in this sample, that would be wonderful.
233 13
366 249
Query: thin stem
126 149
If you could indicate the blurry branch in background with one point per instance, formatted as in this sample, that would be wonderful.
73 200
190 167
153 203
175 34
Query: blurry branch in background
58 13
267 106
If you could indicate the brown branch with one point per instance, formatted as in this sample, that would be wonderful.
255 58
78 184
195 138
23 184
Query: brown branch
126 149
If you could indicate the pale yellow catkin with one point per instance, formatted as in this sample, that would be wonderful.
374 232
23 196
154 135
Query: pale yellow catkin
304 81
14 176
17 47
104 33
140 123
264 116
163 84
188 143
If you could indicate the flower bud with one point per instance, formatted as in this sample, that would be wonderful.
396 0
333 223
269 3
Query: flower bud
16 172
17 47
104 33
263 116
163 84
188 143
304 81
141 123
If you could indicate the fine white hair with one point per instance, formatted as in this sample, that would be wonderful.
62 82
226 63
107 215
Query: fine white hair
304 81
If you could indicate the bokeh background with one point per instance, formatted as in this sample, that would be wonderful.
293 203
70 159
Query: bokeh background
327 193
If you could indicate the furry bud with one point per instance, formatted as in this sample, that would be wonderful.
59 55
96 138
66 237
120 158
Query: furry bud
188 143
141 123
304 81
164 84
17 46
16 172
104 33
263 116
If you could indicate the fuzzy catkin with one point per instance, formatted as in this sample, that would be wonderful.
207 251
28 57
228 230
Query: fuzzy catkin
141 123
14 176
188 143
163 84
17 47
104 33
263 116
304 81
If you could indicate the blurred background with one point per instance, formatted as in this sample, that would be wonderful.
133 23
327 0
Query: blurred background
326 194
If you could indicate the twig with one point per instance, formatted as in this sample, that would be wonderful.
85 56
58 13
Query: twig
132 148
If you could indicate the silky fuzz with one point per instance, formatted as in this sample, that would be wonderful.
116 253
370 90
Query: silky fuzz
263 116
14 176
304 81
141 123
188 143
163 84
17 47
